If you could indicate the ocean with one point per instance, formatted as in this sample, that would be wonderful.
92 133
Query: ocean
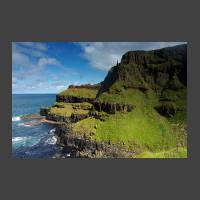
37 141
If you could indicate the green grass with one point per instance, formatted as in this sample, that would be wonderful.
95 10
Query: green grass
141 130
129 96
148 134
172 153
67 110
144 129
79 92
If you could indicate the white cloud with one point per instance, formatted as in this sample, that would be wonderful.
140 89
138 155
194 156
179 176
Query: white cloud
104 55
28 59
34 45
20 59
47 61
61 87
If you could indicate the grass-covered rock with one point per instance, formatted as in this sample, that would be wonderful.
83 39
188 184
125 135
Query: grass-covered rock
77 94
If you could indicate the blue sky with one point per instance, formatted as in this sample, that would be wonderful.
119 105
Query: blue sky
50 67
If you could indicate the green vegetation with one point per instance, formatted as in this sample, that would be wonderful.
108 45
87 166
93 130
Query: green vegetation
143 129
172 153
80 92
67 109
128 96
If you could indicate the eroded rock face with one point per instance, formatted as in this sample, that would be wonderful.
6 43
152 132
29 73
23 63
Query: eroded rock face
138 57
73 99
57 118
167 109
112 108
88 86
71 119
76 144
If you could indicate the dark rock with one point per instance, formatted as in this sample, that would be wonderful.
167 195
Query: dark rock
167 109
112 108
73 99
44 111
77 117
88 86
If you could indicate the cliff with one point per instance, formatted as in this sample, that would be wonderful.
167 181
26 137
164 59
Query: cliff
139 109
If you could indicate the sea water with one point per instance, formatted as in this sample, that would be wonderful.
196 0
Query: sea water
37 141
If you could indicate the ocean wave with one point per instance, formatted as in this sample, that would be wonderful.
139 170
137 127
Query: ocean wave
15 119
51 140
19 139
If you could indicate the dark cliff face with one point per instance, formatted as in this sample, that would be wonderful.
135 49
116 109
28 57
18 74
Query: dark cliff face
157 69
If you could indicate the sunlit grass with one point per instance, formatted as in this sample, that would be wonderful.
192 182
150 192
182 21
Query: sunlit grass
79 92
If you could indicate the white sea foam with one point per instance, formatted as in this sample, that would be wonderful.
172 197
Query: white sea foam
15 119
51 140
23 124
52 130
19 139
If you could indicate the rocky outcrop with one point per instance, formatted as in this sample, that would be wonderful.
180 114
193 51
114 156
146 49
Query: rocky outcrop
73 99
98 115
112 108
77 117
84 147
167 109
76 145
71 119
138 57
88 86
44 111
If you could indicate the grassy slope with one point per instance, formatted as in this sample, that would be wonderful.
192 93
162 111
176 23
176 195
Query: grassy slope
142 130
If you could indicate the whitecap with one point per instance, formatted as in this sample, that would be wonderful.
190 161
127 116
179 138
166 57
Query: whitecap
52 130
23 124
24 141
51 140
15 119
19 139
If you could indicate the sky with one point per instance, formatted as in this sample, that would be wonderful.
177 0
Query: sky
50 67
